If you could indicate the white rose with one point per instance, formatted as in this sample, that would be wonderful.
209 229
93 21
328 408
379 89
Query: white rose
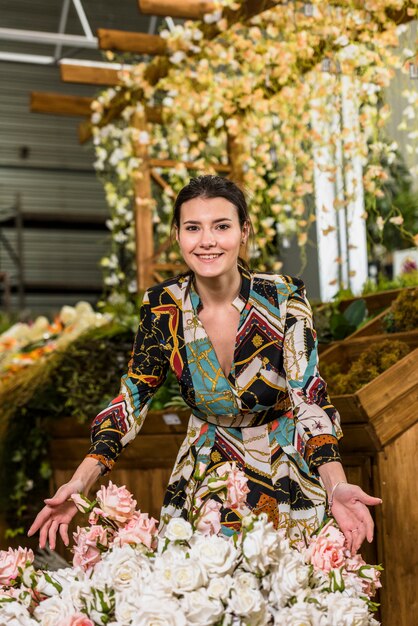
219 588
248 602
126 606
178 573
14 614
216 555
346 611
53 611
200 609
121 568
178 529
159 611
300 614
289 578
245 579
261 546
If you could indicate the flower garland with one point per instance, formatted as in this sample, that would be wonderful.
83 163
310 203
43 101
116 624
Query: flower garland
256 85
124 574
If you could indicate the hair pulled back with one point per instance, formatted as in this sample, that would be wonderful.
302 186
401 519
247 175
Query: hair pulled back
210 186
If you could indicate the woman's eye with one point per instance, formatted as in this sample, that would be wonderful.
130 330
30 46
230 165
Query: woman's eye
223 226
192 228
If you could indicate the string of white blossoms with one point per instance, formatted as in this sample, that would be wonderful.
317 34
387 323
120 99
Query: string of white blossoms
124 574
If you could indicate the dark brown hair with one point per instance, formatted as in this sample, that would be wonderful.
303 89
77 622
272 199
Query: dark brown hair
210 186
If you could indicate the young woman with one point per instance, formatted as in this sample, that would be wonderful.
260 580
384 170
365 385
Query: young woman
243 348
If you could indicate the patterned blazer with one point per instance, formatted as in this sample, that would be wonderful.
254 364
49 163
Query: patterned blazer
274 375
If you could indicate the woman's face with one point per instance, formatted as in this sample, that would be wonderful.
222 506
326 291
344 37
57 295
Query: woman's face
210 236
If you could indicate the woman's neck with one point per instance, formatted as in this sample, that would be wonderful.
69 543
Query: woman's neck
218 290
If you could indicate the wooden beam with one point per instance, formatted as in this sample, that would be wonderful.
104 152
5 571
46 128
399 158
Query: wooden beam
140 43
73 73
85 131
59 104
189 9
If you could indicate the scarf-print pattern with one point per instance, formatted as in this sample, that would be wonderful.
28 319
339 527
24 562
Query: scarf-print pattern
271 414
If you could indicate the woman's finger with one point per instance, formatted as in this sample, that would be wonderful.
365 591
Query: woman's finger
52 534
63 530
358 538
39 520
62 495
43 533
368 500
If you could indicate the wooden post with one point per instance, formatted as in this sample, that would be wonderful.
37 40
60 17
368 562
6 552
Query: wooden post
235 158
143 209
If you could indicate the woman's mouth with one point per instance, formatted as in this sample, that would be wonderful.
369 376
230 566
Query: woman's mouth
207 258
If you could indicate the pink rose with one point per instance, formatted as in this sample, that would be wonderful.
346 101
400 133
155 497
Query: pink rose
139 529
78 619
236 485
369 575
209 520
11 560
87 547
95 514
82 503
327 550
116 503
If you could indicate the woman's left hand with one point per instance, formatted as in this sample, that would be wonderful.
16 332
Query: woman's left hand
349 508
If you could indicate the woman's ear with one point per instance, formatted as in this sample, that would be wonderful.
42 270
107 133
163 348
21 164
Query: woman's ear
245 232
176 233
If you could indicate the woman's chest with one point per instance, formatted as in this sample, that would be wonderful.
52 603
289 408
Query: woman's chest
221 328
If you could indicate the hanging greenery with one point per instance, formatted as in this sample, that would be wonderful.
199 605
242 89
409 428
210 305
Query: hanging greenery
263 90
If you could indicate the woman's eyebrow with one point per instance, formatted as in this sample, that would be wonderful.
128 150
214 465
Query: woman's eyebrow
221 219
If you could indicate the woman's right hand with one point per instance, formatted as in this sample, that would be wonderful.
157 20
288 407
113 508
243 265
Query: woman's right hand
56 515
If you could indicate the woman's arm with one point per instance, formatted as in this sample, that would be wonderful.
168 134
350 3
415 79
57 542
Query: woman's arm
318 422
111 430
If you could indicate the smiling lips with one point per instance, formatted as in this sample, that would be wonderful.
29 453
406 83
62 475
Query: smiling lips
208 257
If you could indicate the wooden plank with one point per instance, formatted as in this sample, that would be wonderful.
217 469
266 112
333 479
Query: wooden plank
390 399
154 424
73 73
374 301
399 527
350 408
127 41
144 452
351 348
59 104
359 438
189 9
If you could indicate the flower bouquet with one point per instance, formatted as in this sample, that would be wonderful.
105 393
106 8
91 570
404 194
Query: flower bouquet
125 573
24 344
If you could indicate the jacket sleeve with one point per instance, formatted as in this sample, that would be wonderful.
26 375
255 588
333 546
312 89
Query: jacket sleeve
317 420
114 427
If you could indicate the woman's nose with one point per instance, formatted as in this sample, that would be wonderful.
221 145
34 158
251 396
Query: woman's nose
207 239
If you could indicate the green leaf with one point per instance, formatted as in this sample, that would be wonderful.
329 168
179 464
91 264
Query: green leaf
356 312
340 326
